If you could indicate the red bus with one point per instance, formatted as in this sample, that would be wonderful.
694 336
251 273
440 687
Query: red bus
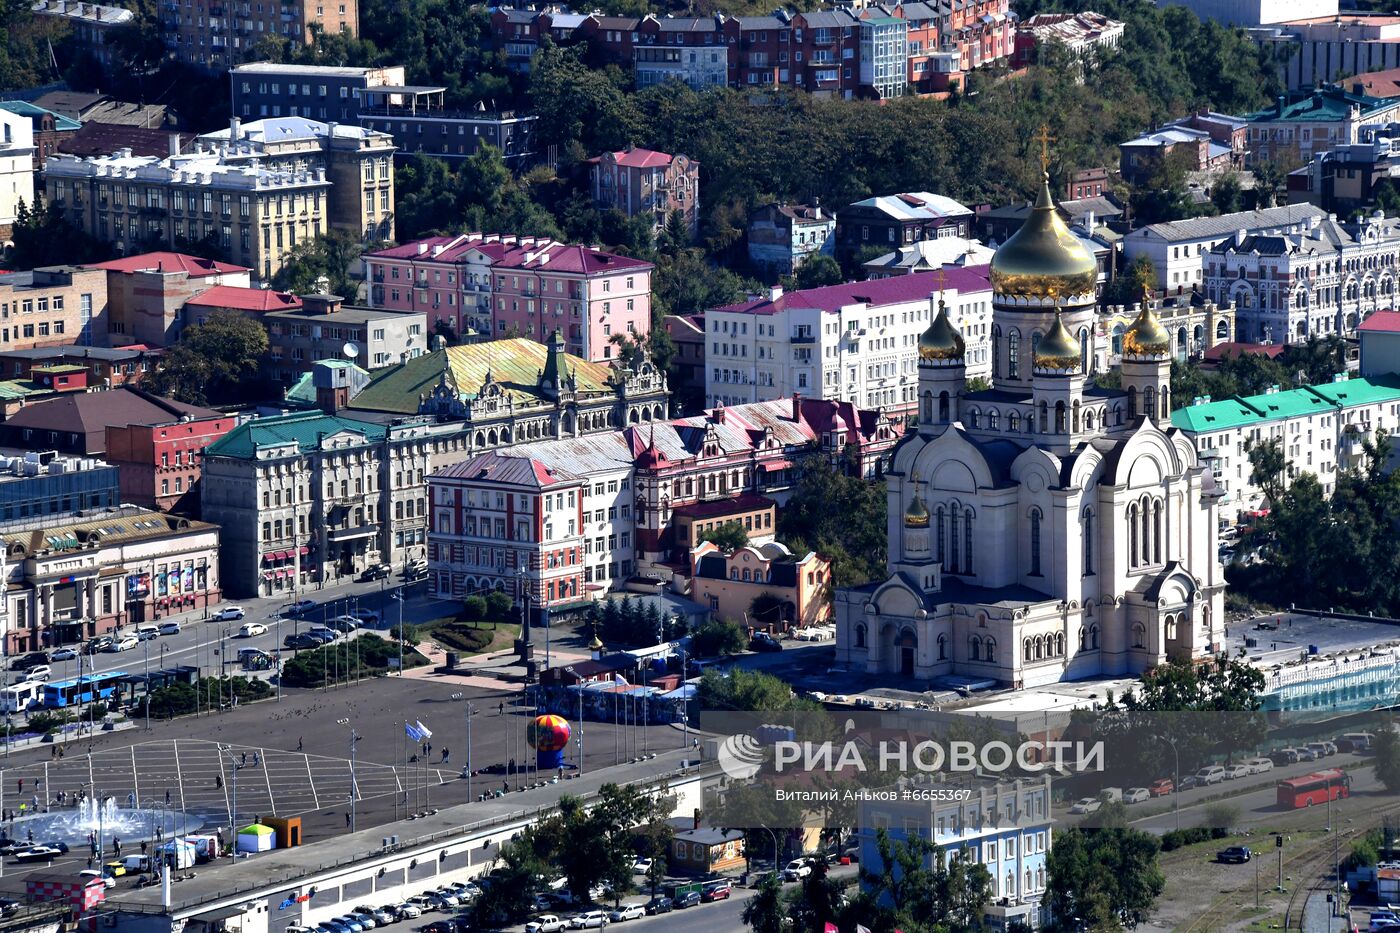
1310 789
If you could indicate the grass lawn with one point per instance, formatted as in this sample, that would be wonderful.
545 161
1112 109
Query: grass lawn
469 638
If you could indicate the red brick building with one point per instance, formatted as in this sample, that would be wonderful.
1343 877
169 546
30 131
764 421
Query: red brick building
146 293
160 463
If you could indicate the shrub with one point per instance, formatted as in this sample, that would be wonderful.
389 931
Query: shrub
1185 837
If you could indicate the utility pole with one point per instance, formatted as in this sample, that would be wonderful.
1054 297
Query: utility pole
469 750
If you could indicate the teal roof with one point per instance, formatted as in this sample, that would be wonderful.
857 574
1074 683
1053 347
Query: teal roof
25 109
302 393
1323 104
305 429
1237 412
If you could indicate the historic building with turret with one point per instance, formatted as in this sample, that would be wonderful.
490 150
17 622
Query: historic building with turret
1044 529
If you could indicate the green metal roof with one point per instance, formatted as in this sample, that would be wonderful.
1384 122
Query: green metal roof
18 388
517 364
1323 104
24 108
1236 412
305 429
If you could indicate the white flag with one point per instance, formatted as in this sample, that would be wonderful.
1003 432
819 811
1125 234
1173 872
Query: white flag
427 733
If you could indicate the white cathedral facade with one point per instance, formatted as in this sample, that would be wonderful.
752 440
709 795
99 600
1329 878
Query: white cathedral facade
1043 529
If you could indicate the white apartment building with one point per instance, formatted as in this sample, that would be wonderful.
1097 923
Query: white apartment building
1322 428
16 168
1177 248
856 342
1287 287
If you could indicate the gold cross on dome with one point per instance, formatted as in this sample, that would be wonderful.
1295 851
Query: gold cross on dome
1045 139
941 278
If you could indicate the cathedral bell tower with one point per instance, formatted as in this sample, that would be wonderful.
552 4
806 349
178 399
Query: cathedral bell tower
1147 365
942 371
1057 388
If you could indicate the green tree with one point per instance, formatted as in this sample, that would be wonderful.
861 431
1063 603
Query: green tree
324 263
220 359
1267 466
1226 194
1269 177
1387 761
713 638
840 517
43 237
579 104
818 271
764 911
911 883
750 691
1102 879
499 607
728 537
474 608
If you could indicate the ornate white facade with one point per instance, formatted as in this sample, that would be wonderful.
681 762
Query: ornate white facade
1041 530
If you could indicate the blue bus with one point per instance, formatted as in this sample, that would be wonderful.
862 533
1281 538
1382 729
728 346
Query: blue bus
86 689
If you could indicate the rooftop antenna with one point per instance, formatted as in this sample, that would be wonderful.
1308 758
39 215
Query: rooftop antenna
351 349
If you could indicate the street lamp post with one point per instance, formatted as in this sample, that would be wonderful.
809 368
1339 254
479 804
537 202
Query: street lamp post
147 646
233 807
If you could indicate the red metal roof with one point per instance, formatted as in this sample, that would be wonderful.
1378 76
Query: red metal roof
1225 350
194 266
639 158
259 300
1382 322
875 292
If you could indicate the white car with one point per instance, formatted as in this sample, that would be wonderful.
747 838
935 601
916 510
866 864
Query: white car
170 628
1260 765
1136 795
92 874
1213 774
64 654
408 910
39 673
125 643
796 869
1086 805
546 923
627 912
593 919
229 614
251 629
641 866
1238 771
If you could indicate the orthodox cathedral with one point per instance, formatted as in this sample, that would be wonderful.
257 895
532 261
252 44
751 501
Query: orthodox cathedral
1044 529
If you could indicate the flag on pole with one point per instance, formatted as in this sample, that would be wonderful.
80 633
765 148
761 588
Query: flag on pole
861 929
426 732
412 732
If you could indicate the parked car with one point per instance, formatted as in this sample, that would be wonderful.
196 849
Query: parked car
9 906
64 654
41 852
627 912
381 915
1234 854
354 923
147 632
545 923
99 643
762 641
688 899
365 920
1260 765
589 920
302 640
300 607
1235 772
92 874
1212 774
441 926
1321 749
33 659
1161 787
251 630
659 905
641 866
228 614
1284 756
1306 754
1086 805
375 572
796 870
408 911
343 624
125 643
170 628
443 900
720 890
366 616
1136 795
40 672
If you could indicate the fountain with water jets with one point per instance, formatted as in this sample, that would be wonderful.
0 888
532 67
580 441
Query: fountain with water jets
73 825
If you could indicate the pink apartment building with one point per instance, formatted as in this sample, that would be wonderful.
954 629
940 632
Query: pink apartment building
491 286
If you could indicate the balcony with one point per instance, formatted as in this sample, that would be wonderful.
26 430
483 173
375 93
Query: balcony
800 339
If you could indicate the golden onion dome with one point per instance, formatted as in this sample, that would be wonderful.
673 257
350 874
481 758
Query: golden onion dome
1057 350
1146 336
916 516
1043 259
941 341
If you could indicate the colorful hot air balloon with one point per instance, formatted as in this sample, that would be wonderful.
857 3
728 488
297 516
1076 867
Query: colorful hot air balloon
548 735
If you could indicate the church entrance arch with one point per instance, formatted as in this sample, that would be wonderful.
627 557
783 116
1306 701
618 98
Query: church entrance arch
908 644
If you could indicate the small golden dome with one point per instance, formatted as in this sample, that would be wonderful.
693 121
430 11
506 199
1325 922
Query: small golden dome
1146 336
1043 259
941 341
596 644
1057 350
916 516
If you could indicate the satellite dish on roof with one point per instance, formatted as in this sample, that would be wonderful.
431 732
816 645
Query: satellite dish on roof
351 349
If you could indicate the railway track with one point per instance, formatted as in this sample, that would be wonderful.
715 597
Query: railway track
1308 862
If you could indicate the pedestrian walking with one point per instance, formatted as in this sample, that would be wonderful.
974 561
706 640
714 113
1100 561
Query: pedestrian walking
347 820
445 753
21 785
257 759
131 800
500 709
60 754
117 846
298 744
143 847
167 796
244 760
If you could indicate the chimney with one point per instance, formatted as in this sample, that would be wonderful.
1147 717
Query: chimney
695 819
717 415
797 408
775 293
174 145
235 129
